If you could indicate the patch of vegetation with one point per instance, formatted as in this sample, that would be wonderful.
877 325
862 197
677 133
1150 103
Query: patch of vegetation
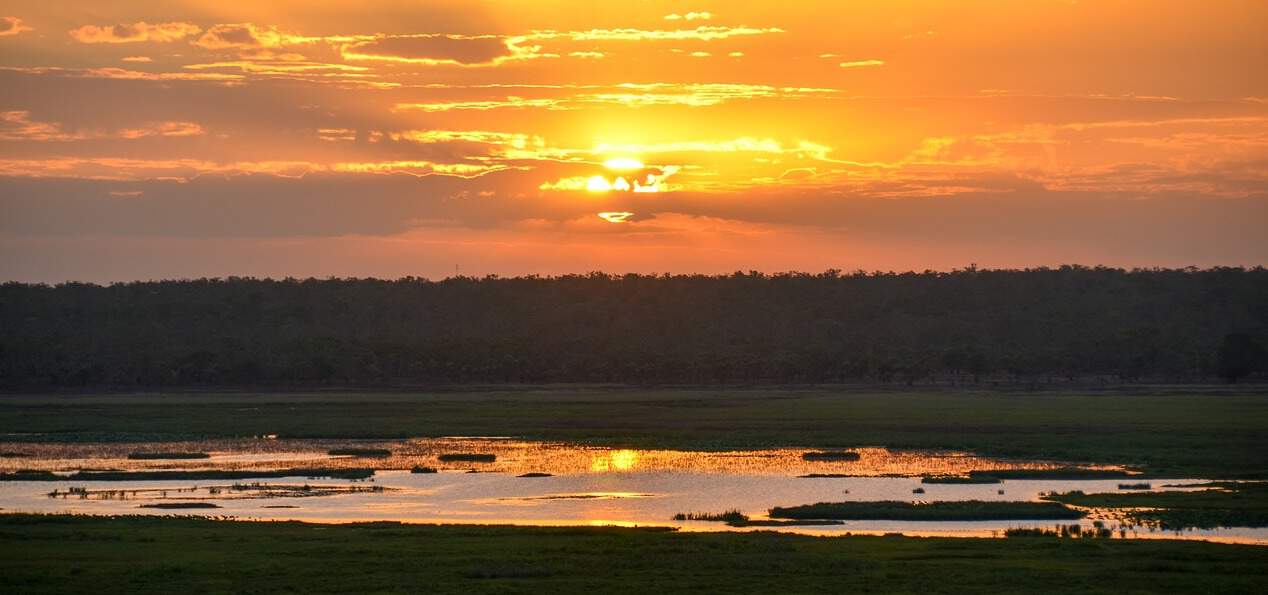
60 554
918 491
467 457
359 452
1224 504
972 510
831 456
730 517
959 479
1060 473
536 474
1064 531
1135 486
9 454
187 475
158 456
180 505
422 469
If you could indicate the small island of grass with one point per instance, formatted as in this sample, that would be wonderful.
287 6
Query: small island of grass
359 452
972 510
468 457
163 456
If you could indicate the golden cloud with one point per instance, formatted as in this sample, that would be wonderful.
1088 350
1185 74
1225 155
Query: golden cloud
135 32
249 36
12 26
862 63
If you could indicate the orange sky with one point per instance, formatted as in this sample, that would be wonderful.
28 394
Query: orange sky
157 139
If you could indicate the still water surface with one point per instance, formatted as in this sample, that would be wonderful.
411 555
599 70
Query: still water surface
586 486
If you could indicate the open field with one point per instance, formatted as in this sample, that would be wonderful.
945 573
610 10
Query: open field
1172 430
175 555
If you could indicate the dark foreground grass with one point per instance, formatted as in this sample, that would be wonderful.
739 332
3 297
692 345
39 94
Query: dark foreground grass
1221 505
154 555
187 475
1168 431
970 510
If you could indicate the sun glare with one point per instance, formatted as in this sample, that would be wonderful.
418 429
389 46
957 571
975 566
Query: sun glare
623 164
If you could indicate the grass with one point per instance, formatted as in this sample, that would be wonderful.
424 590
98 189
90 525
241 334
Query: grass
422 469
467 457
959 479
1175 431
186 475
831 456
359 452
535 474
971 510
730 516
1223 504
161 456
60 554
180 505
1135 486
1058 473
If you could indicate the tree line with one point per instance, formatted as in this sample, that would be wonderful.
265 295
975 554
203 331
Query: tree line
965 326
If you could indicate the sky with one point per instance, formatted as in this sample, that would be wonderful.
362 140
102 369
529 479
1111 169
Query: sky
180 138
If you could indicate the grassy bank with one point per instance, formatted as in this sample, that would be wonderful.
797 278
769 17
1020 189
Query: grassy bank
930 511
1221 505
1169 431
154 555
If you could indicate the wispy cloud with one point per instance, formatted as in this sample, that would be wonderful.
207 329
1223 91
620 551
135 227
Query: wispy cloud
135 32
12 26
862 63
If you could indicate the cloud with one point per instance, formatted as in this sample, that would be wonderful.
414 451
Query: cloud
18 126
249 36
141 59
633 95
701 33
437 49
862 63
691 16
12 26
135 32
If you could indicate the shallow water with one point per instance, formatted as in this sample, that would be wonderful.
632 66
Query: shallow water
589 486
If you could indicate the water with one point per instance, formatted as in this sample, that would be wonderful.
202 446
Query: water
588 485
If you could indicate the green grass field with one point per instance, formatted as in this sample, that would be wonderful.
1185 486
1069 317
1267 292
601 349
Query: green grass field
1178 431
153 555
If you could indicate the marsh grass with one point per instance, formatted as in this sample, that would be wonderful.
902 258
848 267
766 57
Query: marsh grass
831 455
352 474
959 479
180 505
1135 486
971 510
467 457
422 469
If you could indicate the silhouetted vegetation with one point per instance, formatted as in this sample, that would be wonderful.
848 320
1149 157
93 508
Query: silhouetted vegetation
467 457
730 517
61 554
1063 531
360 452
959 479
179 505
1058 473
160 456
1223 504
964 327
180 475
421 469
535 474
970 510
831 456
1135 486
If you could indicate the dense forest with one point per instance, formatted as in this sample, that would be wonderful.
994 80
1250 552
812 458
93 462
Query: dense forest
966 326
